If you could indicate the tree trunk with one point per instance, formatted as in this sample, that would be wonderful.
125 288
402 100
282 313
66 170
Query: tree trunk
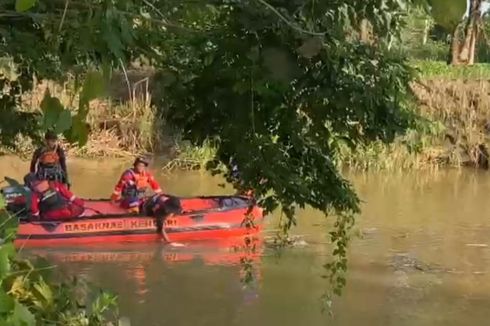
455 47
426 32
365 31
474 38
471 25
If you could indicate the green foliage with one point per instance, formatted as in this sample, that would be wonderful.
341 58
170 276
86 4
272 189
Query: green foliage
24 5
420 39
55 116
28 298
280 85
448 14
51 40
60 119
93 87
190 157
282 113
439 69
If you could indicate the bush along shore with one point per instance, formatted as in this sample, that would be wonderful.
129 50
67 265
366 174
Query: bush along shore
455 101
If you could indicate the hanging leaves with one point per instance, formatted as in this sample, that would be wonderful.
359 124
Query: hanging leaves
281 85
55 116
51 108
24 5
448 14
61 120
6 302
22 316
26 298
4 262
93 87
64 122
278 84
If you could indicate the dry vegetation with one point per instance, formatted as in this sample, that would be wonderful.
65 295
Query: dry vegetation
457 135
456 101
464 108
123 125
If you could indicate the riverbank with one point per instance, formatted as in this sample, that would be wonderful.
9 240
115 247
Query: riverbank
456 101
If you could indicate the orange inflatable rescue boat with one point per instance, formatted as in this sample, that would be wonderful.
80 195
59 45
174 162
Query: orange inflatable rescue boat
203 218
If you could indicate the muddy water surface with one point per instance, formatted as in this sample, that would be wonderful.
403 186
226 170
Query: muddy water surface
421 256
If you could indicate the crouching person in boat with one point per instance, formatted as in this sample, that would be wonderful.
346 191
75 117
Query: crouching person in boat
131 188
51 200
162 207
49 162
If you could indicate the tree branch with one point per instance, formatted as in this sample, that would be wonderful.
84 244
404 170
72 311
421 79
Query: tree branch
288 22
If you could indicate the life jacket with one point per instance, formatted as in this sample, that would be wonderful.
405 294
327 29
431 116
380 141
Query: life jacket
49 198
49 157
138 186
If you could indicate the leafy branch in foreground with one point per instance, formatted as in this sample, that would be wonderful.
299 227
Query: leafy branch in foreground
277 100
29 297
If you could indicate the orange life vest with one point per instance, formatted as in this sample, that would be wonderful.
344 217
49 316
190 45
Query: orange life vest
49 156
138 186
140 180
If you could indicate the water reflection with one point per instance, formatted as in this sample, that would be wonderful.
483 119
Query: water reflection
132 262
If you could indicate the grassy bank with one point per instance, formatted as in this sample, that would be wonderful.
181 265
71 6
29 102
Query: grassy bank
455 99
440 70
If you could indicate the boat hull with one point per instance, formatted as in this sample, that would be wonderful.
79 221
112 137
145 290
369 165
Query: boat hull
203 218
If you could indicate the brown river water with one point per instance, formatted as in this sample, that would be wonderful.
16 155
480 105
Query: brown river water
420 255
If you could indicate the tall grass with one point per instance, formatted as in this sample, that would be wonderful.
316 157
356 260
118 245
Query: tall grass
191 157
119 128
458 135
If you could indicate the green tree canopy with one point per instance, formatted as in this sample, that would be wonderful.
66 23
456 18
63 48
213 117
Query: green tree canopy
448 14
280 84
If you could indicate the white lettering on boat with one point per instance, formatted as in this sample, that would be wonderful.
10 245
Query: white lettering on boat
95 226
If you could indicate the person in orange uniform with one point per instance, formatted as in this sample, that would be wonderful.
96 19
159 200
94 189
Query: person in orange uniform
51 200
131 188
49 161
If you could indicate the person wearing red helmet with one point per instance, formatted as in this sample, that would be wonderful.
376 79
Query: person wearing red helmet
51 200
130 191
